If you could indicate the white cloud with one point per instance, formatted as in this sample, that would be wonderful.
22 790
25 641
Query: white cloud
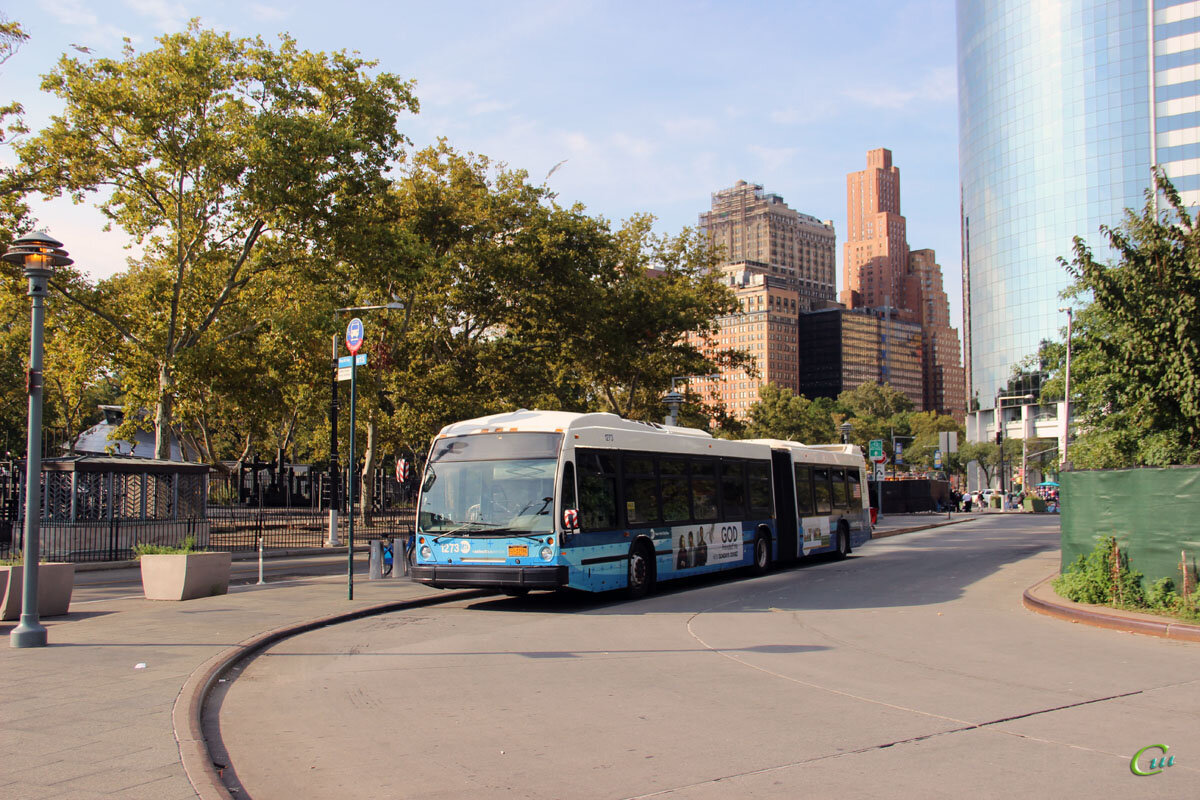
939 85
163 15
489 107
688 126
76 13
774 158
265 13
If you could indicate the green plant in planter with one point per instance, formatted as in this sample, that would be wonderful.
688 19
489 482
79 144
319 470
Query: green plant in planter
188 546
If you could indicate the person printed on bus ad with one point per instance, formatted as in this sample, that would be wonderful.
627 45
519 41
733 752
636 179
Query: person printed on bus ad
701 551
681 561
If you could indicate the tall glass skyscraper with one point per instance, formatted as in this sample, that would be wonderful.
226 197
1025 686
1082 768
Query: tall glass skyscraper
1064 106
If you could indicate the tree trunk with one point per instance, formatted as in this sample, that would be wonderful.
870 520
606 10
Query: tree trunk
368 472
162 414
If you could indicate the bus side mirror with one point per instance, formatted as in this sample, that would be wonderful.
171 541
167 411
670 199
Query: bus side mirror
570 519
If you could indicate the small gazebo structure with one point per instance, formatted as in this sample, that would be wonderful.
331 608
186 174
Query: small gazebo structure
98 507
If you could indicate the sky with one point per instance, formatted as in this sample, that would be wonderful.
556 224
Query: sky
653 105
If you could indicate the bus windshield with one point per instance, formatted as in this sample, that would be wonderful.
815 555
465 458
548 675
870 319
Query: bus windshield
490 484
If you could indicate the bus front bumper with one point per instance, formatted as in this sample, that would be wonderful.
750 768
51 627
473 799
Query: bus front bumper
465 576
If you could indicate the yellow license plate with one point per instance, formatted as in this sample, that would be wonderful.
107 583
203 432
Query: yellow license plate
518 550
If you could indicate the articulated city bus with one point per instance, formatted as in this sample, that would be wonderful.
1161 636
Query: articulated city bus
547 499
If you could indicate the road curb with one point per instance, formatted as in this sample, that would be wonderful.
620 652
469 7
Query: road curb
1041 599
875 534
187 712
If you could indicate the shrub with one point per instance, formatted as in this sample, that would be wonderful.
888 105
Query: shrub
1102 577
188 546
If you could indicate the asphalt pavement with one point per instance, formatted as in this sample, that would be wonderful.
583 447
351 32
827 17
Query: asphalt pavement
111 707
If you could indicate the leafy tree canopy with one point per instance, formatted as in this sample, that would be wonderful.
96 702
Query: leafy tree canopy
1135 368
227 160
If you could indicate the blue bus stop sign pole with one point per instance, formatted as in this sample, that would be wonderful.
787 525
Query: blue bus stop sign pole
354 340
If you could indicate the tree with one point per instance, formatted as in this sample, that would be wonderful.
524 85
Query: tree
14 182
925 427
652 292
1136 348
226 160
871 399
780 414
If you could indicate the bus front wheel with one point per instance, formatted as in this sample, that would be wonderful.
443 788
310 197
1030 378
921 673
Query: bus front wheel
641 572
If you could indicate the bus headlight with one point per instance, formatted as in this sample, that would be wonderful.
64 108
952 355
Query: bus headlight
547 553
426 552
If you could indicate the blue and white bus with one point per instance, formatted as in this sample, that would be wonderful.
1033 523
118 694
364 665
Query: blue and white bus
548 499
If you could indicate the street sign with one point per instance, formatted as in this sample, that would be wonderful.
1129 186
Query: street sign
875 449
880 471
937 459
354 335
359 360
899 453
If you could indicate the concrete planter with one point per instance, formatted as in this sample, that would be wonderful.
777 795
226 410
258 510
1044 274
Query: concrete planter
185 576
55 584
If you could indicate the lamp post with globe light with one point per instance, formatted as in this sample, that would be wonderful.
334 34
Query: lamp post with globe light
38 253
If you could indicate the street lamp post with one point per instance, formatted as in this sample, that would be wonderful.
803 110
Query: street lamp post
845 428
38 253
1067 393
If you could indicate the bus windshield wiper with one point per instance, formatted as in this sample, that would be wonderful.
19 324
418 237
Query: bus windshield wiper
466 526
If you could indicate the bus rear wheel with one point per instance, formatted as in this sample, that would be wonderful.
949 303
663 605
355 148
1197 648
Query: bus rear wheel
843 543
641 572
762 554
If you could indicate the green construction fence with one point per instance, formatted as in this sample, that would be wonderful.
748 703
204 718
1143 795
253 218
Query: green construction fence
1152 512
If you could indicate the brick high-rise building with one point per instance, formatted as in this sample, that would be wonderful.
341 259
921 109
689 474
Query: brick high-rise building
945 378
876 251
881 273
752 225
779 263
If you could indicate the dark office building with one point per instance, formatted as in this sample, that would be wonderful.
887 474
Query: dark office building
841 349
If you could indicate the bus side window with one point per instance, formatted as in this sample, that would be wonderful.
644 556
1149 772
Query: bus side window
641 490
704 489
804 492
854 487
821 491
676 500
759 473
568 489
840 498
733 490
597 490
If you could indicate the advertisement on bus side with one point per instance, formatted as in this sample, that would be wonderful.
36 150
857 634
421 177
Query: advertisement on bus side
704 545
816 533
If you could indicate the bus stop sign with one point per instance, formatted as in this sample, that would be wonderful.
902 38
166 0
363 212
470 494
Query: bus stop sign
354 335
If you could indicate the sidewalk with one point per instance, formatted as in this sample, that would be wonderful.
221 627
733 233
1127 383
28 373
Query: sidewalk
896 524
90 716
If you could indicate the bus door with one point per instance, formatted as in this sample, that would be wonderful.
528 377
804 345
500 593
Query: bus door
785 504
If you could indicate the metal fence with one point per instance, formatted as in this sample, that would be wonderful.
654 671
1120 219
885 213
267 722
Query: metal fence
89 517
225 529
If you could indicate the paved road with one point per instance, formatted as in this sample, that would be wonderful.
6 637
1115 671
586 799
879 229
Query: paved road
909 670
